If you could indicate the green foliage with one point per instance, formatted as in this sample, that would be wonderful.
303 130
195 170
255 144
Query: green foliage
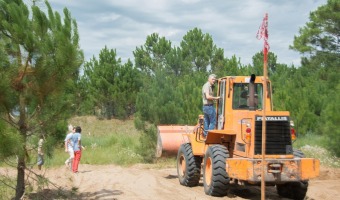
173 77
152 56
147 146
6 192
330 121
314 146
317 80
326 158
108 88
41 59
322 32
139 123
197 50
112 148
162 87
8 139
257 67
106 142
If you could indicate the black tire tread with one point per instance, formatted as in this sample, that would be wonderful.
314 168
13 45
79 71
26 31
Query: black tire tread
193 166
220 179
294 190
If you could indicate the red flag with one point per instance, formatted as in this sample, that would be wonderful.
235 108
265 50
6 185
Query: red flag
263 33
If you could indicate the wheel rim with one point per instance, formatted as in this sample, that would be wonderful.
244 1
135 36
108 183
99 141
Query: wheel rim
208 171
182 165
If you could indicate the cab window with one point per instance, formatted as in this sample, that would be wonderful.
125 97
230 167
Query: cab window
241 96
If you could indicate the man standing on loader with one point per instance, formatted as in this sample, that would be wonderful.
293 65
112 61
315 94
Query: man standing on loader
208 104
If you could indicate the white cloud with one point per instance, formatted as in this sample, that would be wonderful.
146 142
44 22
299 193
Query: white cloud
124 25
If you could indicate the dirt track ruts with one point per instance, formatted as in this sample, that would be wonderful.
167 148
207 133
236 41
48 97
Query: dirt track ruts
145 182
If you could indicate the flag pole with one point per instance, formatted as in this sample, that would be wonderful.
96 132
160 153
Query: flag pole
263 33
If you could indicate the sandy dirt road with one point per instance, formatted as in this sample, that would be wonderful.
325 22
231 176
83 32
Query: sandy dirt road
146 182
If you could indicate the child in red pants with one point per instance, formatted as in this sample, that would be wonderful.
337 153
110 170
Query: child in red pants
76 142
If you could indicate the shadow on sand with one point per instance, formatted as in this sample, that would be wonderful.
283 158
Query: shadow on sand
72 194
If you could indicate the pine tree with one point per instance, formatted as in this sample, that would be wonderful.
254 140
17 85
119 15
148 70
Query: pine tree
109 88
318 41
40 59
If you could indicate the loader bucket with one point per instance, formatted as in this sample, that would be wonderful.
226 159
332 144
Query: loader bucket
170 138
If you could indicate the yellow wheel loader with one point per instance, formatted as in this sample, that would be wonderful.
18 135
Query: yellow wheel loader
232 152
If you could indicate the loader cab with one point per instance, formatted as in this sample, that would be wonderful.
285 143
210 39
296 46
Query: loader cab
240 94
241 100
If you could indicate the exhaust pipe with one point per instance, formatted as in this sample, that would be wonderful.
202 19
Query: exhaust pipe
252 92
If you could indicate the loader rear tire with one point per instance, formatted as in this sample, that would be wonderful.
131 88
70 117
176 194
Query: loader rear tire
188 166
294 190
298 153
215 177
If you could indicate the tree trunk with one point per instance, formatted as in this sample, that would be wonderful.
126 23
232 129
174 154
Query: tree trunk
20 189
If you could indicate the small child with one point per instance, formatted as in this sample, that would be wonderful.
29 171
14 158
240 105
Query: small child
69 147
40 152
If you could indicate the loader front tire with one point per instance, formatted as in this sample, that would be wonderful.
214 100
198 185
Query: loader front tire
294 190
188 166
215 177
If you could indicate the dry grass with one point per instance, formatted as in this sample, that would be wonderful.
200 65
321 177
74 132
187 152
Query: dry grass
106 142
92 126
325 157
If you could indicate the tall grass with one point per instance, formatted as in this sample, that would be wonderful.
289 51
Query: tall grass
6 192
314 146
105 142
118 142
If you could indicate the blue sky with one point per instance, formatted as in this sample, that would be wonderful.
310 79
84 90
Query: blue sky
124 25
